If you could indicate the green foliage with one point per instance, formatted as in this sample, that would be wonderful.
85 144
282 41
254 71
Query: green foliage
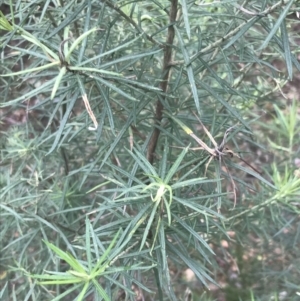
97 198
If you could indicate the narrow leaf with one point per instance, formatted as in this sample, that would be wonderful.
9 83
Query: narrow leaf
286 48
186 18
31 70
175 166
276 26
68 20
78 41
58 79
253 173
240 34
66 257
189 70
63 122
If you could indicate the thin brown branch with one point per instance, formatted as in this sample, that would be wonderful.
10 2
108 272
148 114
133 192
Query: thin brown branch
165 80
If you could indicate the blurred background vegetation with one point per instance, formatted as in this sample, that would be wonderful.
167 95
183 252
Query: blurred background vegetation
103 195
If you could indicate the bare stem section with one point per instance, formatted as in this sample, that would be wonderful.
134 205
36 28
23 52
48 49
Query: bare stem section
165 78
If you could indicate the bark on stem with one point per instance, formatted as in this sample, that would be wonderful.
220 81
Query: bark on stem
165 79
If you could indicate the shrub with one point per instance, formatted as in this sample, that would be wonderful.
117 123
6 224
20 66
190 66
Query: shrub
103 194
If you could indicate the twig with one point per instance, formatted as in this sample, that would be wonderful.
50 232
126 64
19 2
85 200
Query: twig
165 80
248 12
233 32
136 26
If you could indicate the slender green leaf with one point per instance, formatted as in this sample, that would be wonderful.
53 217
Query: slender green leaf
189 70
186 18
276 25
78 41
149 226
85 29
74 263
59 77
86 69
115 50
230 109
67 20
286 48
59 133
175 166
252 173
115 88
29 94
31 70
100 290
241 33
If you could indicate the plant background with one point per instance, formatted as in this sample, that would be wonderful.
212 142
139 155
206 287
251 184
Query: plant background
63 183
